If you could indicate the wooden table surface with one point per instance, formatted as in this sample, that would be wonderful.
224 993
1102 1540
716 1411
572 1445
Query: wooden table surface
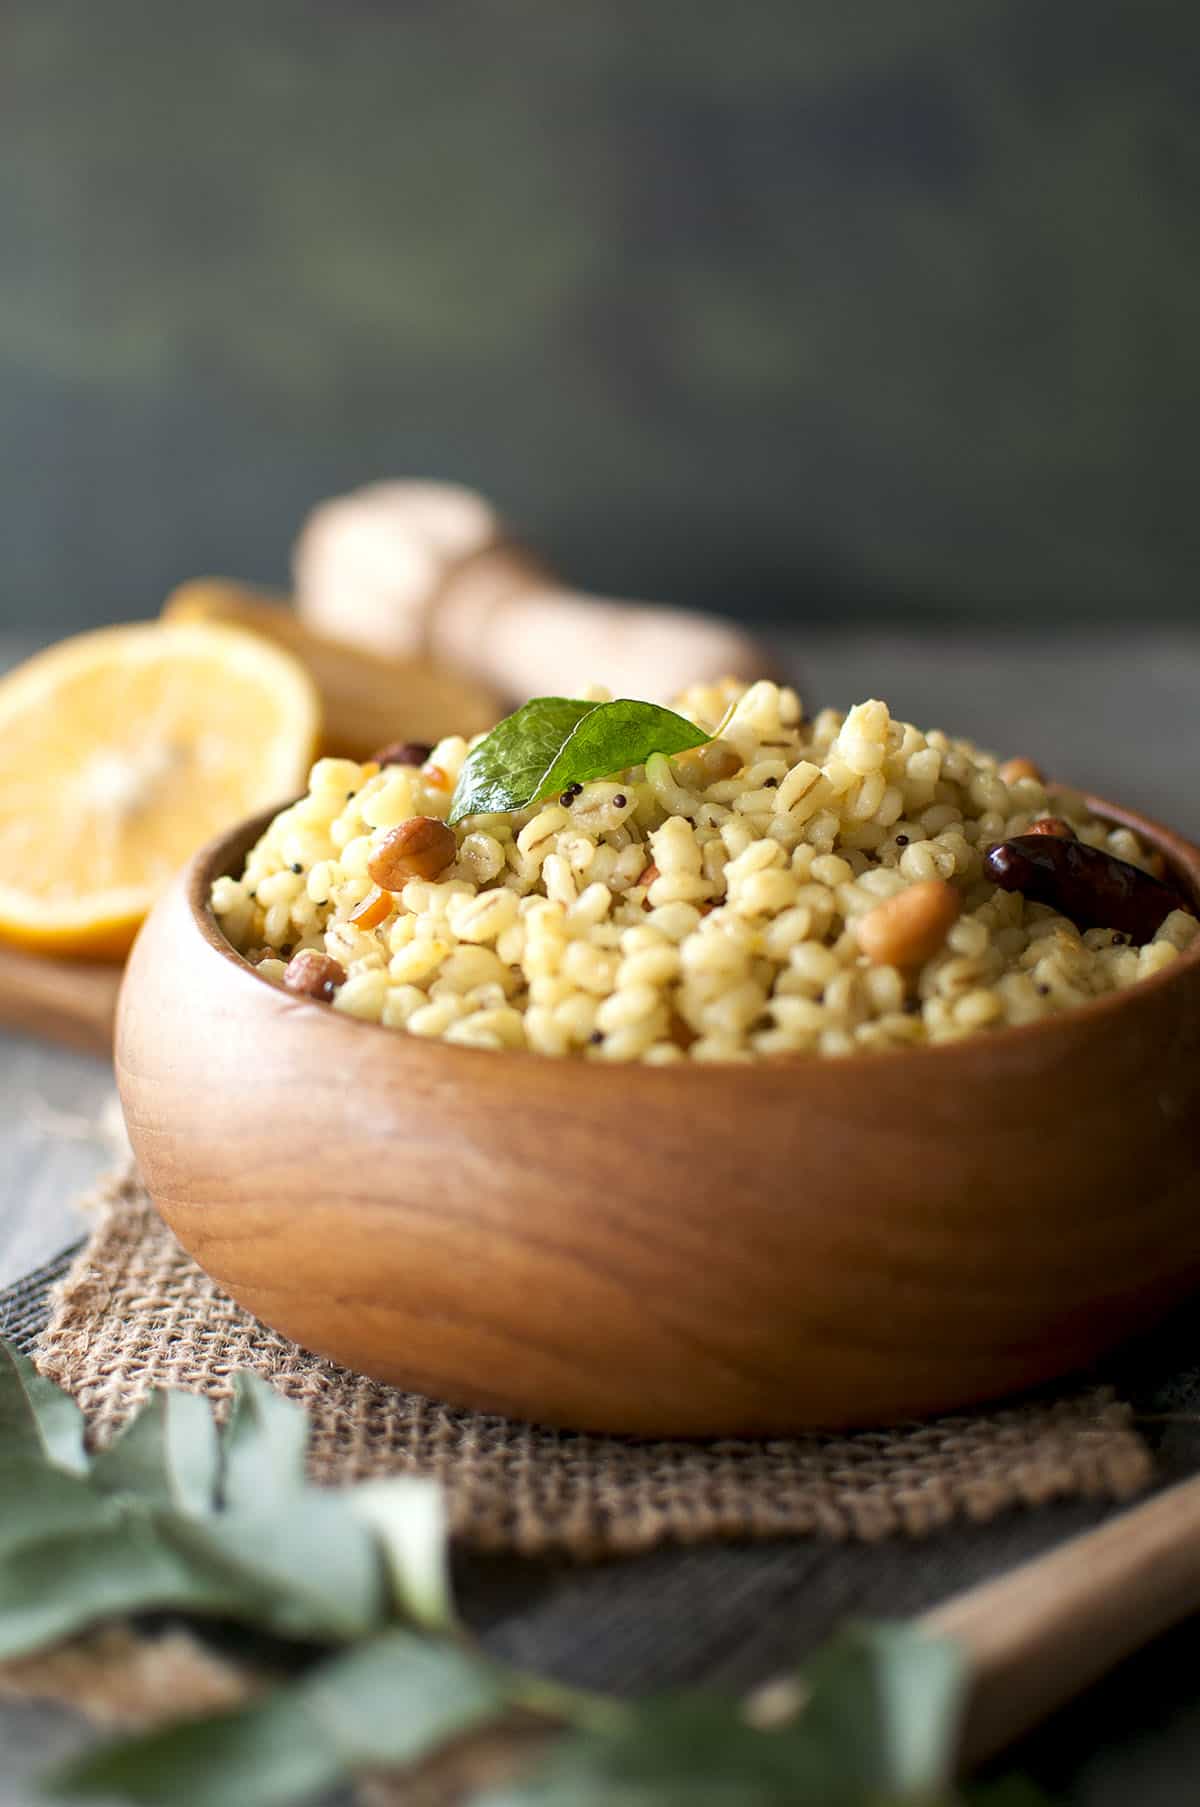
1119 713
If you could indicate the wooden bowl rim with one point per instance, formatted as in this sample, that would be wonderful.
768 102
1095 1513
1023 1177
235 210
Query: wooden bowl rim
218 856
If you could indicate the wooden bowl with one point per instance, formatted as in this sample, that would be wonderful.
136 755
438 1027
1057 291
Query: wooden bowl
687 1250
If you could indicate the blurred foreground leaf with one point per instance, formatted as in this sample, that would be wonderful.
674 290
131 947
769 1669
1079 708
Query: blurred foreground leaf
391 1701
309 1569
878 1723
181 1515
408 1516
177 1514
36 1417
262 1447
168 1454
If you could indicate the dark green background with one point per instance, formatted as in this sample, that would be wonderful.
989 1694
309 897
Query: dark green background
880 307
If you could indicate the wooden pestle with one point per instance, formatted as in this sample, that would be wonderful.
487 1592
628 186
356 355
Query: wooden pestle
413 568
1039 1635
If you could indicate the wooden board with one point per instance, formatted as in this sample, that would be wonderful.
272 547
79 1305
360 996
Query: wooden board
68 1001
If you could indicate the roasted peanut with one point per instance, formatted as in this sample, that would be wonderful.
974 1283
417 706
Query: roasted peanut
419 848
403 752
1093 889
909 928
1053 825
1013 769
313 975
708 764
375 906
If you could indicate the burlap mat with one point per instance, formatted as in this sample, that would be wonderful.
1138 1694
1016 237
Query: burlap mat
135 1313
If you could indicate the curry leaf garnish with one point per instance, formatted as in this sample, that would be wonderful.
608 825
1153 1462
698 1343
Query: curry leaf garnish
556 741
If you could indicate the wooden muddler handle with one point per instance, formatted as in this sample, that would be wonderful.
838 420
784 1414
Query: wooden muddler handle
1039 1635
428 568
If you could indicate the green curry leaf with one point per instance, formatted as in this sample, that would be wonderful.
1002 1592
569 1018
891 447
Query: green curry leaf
36 1417
39 1501
616 736
168 1454
393 1700
267 1755
878 1725
555 741
308 1569
407 1514
175 1513
506 770
887 1700
262 1446
70 1581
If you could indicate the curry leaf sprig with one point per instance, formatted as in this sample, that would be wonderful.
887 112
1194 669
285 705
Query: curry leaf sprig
556 741
877 1729
218 1521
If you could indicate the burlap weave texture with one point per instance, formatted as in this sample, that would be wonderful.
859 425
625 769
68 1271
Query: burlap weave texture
135 1313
